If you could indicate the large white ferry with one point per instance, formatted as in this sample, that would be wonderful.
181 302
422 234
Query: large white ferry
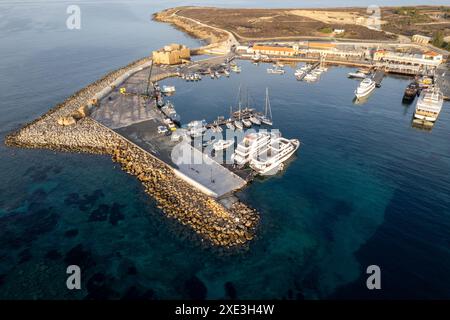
365 87
429 104
251 144
270 160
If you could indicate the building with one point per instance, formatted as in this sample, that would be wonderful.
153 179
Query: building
171 54
331 50
417 38
427 59
274 50
339 31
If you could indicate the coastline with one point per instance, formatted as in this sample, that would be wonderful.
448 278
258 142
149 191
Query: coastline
176 198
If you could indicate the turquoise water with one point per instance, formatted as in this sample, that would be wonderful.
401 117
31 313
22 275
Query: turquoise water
365 187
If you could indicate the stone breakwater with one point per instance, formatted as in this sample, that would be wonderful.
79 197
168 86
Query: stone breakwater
175 197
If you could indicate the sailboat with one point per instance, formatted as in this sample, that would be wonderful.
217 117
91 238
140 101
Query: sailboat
238 123
267 117
230 124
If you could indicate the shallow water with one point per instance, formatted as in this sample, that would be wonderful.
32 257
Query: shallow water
365 187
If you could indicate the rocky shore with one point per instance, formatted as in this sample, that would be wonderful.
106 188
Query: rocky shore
175 197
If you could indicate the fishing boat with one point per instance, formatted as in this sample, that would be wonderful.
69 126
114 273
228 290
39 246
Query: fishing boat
429 104
222 144
425 82
365 88
169 111
226 73
271 158
357 75
266 118
411 91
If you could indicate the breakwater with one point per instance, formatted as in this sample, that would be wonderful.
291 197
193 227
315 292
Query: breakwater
225 227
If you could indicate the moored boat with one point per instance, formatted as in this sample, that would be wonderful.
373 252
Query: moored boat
270 159
411 91
365 88
429 105
222 144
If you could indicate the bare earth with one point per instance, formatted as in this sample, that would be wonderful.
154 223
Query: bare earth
255 24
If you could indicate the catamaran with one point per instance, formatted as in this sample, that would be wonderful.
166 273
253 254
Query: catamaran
267 117
270 159
429 105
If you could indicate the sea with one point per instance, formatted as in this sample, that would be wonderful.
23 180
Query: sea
365 188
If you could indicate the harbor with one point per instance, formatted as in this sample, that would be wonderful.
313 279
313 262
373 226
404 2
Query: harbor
137 103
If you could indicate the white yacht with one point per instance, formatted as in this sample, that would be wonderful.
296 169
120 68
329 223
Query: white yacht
358 75
196 128
168 89
365 87
250 146
247 123
310 77
270 159
255 120
429 105
275 70
222 144
235 68
230 125
238 124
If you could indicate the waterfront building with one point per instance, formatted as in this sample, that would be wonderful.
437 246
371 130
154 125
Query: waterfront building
417 38
427 59
171 54
274 50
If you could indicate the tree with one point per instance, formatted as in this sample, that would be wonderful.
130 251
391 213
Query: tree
438 39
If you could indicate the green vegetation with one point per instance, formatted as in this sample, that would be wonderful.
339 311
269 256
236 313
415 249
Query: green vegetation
412 14
438 41
326 30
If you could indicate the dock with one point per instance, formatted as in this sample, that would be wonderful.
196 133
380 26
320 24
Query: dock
313 66
442 79
378 77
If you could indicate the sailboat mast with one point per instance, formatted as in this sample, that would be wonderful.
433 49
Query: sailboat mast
268 104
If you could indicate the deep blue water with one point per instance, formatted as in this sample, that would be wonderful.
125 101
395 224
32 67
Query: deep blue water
365 187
